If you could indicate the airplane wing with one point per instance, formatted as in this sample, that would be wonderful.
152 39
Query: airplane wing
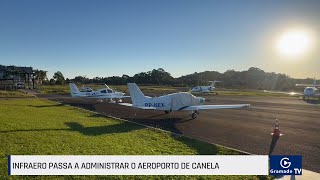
115 96
125 104
304 85
139 107
231 106
106 97
280 92
308 85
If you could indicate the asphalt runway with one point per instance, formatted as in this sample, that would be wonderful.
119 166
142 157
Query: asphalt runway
245 129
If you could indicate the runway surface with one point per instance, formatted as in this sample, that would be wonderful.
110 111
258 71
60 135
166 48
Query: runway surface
245 129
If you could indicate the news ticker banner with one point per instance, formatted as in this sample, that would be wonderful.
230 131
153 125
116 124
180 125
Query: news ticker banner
138 165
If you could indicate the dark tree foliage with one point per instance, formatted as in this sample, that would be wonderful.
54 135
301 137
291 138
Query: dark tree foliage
253 78
59 78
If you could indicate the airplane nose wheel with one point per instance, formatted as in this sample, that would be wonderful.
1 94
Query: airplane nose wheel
194 115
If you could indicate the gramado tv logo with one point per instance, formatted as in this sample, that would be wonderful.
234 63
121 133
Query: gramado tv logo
285 165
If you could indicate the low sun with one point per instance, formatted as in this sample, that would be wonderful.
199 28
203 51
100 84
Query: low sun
294 43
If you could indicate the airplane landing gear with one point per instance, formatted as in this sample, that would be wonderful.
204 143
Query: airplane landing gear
194 114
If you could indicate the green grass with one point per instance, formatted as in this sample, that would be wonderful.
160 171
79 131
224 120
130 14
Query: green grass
10 94
42 127
55 89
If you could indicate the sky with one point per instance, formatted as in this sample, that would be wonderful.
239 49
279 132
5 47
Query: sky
103 38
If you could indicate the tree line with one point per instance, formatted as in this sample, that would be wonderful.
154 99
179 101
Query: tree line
253 78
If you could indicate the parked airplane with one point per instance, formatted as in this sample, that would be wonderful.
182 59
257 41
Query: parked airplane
172 102
104 93
205 89
311 90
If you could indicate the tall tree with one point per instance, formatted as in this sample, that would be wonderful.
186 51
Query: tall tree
40 76
59 78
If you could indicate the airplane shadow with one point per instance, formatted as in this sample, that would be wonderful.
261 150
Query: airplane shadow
100 130
185 119
165 123
169 124
89 131
312 101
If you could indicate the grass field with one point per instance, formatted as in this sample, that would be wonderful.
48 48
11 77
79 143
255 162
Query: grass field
41 127
9 94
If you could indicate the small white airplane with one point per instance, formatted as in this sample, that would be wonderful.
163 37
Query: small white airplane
205 89
104 93
311 90
172 102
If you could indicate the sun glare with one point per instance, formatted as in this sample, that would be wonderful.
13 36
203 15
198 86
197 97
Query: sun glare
294 43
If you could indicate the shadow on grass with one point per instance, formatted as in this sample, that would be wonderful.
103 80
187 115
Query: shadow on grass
81 105
89 131
100 130
46 106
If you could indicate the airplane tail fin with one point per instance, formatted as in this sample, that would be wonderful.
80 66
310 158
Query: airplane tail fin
73 89
213 83
135 93
106 86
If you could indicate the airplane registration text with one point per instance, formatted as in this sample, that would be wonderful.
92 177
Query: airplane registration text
154 104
